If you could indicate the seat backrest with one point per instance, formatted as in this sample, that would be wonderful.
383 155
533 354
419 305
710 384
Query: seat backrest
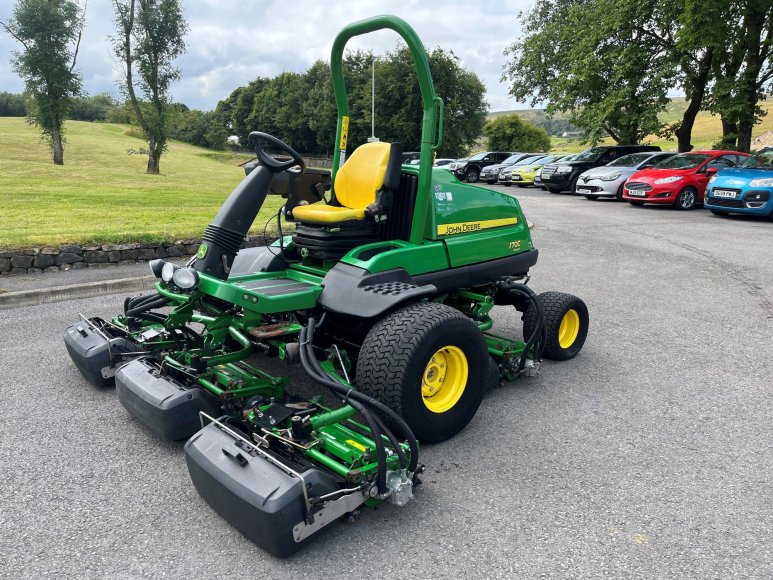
371 167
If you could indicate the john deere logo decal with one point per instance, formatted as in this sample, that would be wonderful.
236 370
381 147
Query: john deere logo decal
202 251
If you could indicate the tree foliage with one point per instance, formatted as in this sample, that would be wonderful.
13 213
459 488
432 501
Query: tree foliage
93 108
149 37
49 33
510 133
611 64
300 108
12 105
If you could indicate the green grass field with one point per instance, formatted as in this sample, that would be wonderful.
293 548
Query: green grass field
102 194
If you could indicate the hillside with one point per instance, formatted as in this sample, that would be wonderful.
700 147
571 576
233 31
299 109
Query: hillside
707 130
102 195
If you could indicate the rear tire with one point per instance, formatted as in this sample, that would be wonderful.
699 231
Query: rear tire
472 176
566 321
428 362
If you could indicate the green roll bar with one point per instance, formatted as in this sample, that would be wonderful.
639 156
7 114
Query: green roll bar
431 103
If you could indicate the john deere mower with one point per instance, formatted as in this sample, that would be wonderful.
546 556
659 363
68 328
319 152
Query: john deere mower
383 294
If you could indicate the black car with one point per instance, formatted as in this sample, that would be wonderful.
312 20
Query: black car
469 168
558 177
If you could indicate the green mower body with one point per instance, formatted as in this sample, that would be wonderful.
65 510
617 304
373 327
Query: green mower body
389 310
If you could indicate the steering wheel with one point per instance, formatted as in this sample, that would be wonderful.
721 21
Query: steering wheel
272 164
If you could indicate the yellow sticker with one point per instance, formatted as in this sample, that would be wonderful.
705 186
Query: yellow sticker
352 442
467 227
344 132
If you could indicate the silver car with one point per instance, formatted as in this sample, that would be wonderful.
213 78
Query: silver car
608 180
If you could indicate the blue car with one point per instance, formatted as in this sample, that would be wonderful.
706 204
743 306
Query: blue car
747 188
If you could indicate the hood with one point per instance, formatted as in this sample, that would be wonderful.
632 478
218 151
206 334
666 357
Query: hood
651 174
605 170
738 177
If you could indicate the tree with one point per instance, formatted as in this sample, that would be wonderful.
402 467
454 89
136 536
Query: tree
12 105
594 60
94 108
150 35
510 133
742 39
50 34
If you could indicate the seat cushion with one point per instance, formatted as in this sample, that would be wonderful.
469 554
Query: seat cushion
327 214
358 180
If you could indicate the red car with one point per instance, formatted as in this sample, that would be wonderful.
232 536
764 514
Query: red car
679 180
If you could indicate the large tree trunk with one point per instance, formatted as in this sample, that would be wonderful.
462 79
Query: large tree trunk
684 132
56 146
748 87
154 156
745 135
729 134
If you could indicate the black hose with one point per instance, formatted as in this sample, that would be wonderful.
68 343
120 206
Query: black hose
539 335
372 424
149 305
413 444
135 301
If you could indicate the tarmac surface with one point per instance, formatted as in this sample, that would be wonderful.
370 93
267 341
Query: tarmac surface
647 456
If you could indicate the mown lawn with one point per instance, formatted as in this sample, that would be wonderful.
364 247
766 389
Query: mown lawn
102 194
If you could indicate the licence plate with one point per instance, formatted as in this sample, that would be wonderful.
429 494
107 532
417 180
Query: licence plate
635 193
583 190
724 193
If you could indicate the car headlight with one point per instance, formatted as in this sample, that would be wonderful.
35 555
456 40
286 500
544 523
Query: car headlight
609 176
563 169
762 182
185 278
671 179
167 272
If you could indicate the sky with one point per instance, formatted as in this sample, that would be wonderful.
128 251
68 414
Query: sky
232 42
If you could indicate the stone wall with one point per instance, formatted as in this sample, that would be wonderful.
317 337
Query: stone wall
75 257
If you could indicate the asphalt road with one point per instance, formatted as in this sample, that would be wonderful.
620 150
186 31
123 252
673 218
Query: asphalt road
647 456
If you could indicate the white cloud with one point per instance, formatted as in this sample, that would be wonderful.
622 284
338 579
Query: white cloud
231 41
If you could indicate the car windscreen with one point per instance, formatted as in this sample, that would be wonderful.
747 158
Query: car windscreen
687 161
591 154
512 159
761 160
478 156
631 160
529 160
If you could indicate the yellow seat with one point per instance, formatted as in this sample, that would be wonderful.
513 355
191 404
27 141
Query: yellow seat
356 184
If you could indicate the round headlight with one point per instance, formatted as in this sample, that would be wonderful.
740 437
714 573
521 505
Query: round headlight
185 278
168 271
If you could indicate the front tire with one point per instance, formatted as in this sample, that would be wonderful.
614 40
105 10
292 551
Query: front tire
426 362
636 203
472 176
566 322
553 189
718 212
686 199
594 197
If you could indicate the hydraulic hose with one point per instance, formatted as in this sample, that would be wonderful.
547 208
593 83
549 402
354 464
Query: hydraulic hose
158 302
372 424
539 336
136 301
413 444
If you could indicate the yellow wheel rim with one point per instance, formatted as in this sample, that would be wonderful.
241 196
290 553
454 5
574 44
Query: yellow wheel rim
569 329
444 379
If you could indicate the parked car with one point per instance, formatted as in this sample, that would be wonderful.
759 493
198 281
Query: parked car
558 177
409 156
469 168
523 172
442 162
491 173
538 174
608 180
679 180
747 188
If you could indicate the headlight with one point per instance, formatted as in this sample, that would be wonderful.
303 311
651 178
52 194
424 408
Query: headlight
156 266
609 176
563 169
763 182
167 272
185 278
671 179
